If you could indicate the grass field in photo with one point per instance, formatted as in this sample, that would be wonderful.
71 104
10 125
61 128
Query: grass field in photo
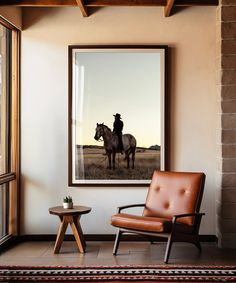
92 163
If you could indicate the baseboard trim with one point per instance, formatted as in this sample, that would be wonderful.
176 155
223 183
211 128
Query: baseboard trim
104 237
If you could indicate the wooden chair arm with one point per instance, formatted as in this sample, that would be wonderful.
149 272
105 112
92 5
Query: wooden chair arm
198 215
119 208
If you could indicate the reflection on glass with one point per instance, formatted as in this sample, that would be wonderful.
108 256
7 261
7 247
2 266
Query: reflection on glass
3 210
110 87
4 96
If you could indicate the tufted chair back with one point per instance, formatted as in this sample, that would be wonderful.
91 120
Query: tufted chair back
172 193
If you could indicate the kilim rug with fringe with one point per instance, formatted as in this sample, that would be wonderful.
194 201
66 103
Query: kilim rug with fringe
112 274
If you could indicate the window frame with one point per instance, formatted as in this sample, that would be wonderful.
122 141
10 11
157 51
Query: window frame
12 178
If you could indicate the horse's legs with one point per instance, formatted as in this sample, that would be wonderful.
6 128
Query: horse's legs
113 159
109 161
133 158
127 158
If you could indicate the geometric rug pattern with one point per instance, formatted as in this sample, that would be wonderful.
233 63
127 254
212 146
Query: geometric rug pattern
147 273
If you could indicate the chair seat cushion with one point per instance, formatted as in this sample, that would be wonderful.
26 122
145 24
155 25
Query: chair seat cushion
141 223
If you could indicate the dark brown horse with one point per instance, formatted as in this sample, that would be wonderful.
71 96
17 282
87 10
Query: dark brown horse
111 144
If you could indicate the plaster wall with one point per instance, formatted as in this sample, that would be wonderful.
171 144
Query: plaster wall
47 32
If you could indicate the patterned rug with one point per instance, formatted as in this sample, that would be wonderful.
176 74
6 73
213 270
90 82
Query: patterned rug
113 274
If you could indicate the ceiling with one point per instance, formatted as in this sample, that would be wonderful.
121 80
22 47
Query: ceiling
85 5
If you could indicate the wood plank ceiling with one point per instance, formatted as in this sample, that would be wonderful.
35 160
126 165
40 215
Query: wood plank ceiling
84 5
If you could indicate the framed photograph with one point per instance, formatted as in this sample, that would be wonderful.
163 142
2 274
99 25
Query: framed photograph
116 114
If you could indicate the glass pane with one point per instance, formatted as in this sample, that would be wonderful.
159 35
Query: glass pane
3 210
5 35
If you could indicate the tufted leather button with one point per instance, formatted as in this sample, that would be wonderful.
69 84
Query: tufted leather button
167 205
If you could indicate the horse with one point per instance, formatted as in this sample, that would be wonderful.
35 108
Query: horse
111 144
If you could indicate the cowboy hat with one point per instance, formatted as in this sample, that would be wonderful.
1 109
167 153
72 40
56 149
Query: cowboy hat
117 115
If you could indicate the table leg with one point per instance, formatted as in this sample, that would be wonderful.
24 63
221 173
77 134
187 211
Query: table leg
77 235
60 235
80 231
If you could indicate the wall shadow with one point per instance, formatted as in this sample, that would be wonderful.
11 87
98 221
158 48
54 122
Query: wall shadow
31 16
177 10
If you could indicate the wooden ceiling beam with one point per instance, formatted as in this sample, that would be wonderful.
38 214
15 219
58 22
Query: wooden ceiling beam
106 3
168 7
103 3
38 3
196 2
83 9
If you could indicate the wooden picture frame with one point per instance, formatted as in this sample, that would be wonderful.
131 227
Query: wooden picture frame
128 82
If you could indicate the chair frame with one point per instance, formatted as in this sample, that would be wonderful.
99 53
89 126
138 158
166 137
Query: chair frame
174 235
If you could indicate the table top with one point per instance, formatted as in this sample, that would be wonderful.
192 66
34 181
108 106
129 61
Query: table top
76 210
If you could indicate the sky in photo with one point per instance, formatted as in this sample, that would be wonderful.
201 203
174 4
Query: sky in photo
106 83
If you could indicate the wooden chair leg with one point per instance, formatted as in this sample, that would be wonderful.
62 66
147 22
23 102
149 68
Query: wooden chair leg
168 248
117 241
197 243
189 238
151 239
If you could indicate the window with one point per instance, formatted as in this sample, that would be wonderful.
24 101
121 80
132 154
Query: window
5 50
4 201
9 131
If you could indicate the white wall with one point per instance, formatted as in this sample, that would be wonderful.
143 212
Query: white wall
45 39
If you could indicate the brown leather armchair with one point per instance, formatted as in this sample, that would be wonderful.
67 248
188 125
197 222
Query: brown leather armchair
171 210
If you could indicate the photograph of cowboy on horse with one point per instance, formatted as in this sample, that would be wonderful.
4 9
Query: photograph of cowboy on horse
115 142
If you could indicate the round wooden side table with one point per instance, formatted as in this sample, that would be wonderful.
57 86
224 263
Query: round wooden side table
72 217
